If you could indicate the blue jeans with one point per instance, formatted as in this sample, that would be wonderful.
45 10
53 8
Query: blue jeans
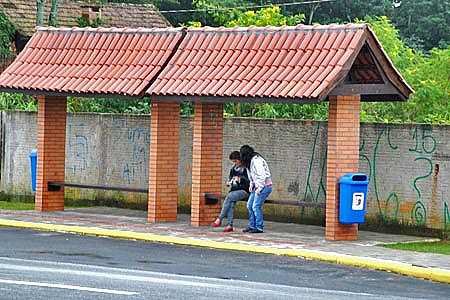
229 203
254 207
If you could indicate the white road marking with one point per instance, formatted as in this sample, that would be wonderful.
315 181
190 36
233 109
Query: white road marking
68 287
166 278
47 234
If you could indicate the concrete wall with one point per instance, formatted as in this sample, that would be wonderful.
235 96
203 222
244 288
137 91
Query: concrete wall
409 165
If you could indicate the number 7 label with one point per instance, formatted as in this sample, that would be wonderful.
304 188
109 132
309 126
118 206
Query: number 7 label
358 201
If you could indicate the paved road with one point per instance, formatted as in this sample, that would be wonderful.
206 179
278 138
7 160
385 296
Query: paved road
40 265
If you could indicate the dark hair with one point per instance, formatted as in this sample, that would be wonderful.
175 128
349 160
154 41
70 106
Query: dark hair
235 155
247 154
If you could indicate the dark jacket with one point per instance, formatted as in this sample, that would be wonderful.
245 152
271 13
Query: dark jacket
242 183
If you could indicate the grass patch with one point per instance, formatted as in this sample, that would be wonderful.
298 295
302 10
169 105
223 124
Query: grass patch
16 205
399 226
26 205
442 247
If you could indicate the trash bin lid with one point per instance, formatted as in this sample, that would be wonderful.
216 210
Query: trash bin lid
354 178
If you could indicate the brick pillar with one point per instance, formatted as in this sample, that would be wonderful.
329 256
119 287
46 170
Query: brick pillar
206 162
51 152
163 162
343 157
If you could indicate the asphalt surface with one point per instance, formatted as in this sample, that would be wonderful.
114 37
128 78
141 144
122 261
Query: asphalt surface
41 265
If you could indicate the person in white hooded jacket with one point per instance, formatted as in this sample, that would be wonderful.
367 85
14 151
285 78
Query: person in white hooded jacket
260 187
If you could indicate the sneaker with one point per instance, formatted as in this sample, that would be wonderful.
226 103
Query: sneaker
256 230
216 223
248 229
228 228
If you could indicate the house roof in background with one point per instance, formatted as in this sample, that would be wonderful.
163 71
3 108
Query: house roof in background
271 64
22 14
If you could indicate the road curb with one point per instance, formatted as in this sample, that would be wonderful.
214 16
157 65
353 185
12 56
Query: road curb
435 274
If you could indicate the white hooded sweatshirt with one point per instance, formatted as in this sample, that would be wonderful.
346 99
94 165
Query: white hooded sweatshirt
259 173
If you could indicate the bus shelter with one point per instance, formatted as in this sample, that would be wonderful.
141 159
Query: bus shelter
341 64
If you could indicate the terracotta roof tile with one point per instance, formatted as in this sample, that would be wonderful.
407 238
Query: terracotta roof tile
302 63
115 62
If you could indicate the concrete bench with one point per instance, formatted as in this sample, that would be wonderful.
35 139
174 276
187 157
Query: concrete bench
210 198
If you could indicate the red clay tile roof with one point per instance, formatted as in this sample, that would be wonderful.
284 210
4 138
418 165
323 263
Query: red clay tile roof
22 14
284 64
91 61
303 62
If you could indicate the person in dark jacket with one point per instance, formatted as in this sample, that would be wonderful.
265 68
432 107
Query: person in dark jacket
239 183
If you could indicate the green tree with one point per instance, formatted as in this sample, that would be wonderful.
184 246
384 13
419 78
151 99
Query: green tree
39 12
403 56
17 102
218 13
428 75
53 17
7 32
423 24
265 17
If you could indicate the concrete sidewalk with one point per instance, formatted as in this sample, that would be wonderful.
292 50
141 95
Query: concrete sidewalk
279 239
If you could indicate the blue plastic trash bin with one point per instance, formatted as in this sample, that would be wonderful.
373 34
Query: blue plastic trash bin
353 198
33 168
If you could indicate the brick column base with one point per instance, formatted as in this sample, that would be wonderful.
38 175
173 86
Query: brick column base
163 163
51 152
343 157
206 162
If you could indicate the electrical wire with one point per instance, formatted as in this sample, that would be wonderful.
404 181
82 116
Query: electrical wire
244 7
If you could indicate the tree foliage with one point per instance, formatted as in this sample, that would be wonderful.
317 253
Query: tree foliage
53 17
40 12
429 75
17 102
427 72
264 17
7 32
423 24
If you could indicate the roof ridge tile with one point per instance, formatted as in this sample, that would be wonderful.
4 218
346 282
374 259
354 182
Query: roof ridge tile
110 29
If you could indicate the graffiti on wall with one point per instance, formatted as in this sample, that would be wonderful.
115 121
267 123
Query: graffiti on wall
411 204
79 146
446 216
132 141
424 143
391 203
136 166
318 193
422 146
310 194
